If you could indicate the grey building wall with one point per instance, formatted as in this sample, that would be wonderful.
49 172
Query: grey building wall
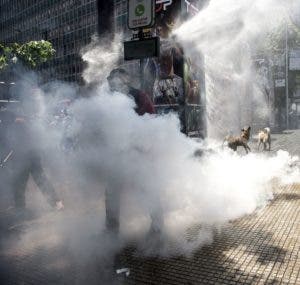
120 16
68 24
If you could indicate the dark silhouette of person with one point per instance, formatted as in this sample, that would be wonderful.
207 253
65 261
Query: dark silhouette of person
119 80
26 161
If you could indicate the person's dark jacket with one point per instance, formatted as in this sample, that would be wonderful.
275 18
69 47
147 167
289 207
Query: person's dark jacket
142 101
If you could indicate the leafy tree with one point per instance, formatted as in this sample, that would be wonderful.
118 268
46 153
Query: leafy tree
4 55
31 54
274 42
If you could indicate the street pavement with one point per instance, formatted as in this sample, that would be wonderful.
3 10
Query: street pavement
261 248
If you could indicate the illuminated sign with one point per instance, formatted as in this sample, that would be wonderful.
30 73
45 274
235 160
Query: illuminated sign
140 14
163 4
191 8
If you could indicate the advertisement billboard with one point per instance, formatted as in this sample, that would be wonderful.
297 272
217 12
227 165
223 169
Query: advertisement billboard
175 79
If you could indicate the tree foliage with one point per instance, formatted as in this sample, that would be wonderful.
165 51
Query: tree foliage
274 42
31 54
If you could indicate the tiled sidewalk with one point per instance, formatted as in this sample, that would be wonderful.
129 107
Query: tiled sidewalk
262 248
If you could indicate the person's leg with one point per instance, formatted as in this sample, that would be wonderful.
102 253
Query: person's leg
19 182
156 214
155 210
112 204
42 180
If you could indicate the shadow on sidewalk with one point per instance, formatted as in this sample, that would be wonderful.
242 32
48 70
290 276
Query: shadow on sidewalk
287 196
212 264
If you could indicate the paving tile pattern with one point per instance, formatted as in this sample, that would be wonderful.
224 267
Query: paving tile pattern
263 248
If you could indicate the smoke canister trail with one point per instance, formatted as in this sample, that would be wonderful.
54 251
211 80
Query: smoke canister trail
231 35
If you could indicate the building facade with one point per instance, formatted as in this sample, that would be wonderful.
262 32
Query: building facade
68 24
294 88
120 16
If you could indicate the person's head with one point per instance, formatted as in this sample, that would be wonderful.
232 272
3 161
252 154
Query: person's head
119 80
162 31
165 24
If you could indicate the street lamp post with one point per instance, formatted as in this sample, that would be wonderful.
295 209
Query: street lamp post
287 76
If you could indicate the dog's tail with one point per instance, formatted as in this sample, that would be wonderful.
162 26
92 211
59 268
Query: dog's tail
267 130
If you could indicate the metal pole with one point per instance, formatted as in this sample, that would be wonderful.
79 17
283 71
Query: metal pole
142 73
141 36
287 76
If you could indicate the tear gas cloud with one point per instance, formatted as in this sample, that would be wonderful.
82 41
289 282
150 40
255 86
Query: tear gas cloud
148 159
102 55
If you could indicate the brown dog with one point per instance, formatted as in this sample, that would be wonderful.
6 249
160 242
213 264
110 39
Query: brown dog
264 137
242 140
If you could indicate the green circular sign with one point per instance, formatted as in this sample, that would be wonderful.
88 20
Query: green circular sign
139 10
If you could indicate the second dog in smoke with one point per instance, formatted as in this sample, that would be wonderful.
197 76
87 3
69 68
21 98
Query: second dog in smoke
264 137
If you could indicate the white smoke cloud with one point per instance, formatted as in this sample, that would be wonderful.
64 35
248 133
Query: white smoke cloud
101 55
229 34
150 162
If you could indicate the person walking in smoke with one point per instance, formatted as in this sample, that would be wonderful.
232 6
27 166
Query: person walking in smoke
119 81
26 161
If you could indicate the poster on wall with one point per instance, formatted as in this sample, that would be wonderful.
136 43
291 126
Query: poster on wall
192 76
164 75
168 85
175 79
193 65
